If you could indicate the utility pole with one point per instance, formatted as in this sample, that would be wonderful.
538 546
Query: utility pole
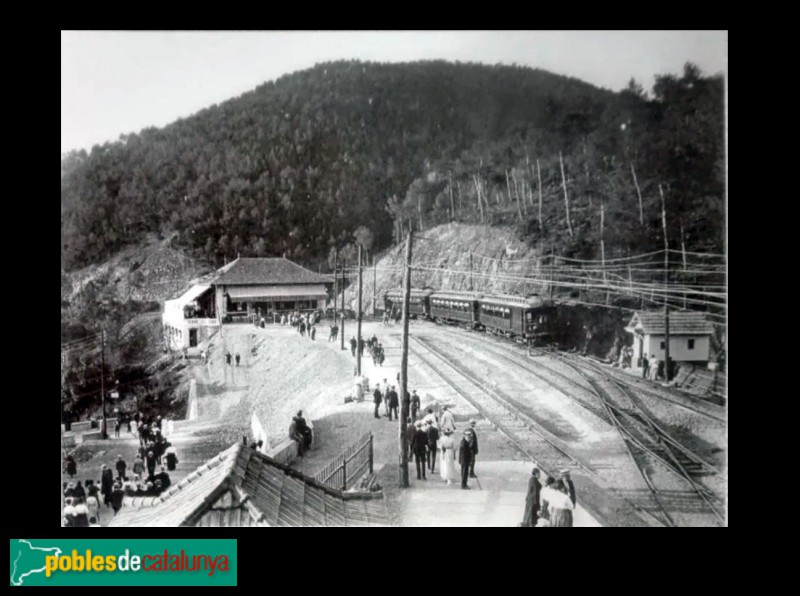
404 366
344 264
104 430
374 284
358 323
666 284
335 282
470 271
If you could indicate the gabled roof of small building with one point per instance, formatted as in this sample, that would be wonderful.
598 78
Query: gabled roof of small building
267 271
243 487
680 323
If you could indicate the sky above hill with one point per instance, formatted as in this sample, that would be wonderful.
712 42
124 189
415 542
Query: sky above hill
115 83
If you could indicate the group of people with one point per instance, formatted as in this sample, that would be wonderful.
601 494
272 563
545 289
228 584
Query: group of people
82 499
229 359
390 318
301 433
654 368
429 435
374 347
550 505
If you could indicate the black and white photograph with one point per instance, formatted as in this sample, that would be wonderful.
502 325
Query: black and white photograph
394 278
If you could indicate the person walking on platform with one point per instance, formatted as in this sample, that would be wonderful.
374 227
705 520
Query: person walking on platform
353 344
385 397
466 454
532 500
419 447
393 403
377 398
448 466
447 422
415 404
121 466
472 424
70 467
433 439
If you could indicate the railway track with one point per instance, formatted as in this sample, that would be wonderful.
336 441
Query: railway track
654 435
646 442
644 436
522 430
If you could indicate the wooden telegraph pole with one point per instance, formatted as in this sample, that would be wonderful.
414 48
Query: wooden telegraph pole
404 365
335 282
666 284
358 322
104 432
344 263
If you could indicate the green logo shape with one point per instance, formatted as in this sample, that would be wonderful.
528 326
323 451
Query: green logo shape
123 562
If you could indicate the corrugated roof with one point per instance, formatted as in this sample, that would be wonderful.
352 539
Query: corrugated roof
268 271
243 487
680 323
532 301
191 294
457 295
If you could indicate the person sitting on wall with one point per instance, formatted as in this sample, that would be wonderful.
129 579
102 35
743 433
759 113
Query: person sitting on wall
304 429
296 435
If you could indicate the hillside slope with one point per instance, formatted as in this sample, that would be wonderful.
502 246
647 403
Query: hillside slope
296 166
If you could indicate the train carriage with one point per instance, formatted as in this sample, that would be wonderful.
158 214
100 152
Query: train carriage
455 307
419 302
531 319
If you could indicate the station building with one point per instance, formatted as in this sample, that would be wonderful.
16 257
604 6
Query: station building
270 286
238 291
689 335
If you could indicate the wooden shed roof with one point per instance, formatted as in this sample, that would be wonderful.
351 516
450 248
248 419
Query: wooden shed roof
243 487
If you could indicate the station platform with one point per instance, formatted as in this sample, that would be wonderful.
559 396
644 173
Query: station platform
496 499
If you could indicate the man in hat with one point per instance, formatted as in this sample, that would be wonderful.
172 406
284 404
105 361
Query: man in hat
415 404
447 422
531 517
569 485
106 483
466 455
121 465
472 424
377 398
419 447
433 439
393 402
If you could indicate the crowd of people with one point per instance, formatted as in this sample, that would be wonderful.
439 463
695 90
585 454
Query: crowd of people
372 345
147 476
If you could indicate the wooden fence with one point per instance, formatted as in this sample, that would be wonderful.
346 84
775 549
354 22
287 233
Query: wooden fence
348 468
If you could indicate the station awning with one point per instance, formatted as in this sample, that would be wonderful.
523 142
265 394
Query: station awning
277 293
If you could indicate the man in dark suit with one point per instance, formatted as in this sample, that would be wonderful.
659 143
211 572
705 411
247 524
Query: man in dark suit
531 517
377 398
466 455
472 424
419 447
393 402
569 484
433 438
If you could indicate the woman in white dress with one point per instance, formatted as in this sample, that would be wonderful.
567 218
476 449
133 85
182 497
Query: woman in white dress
447 469
560 504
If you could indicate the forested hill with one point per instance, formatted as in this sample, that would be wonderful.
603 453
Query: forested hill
298 165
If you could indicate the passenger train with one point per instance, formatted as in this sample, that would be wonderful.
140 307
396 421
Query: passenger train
530 319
